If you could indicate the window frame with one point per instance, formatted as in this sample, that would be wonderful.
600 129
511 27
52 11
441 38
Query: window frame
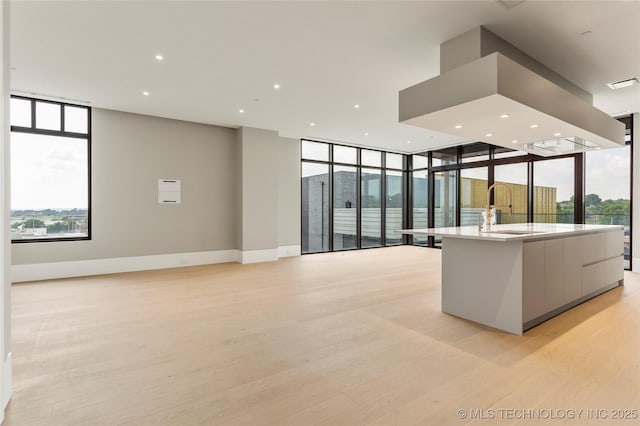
65 134
358 165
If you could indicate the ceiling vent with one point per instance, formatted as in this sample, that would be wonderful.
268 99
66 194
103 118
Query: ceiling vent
489 90
623 83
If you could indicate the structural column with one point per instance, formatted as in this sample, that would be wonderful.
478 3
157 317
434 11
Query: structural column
257 192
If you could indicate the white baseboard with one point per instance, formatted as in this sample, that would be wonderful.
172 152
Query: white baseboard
7 381
255 256
79 268
288 251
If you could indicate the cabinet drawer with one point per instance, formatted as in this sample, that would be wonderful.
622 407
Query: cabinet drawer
614 243
601 274
593 248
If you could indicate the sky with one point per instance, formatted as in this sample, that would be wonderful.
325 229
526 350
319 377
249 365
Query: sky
607 173
48 172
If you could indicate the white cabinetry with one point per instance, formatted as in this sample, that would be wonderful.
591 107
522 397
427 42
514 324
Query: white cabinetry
614 244
559 272
597 275
533 282
573 250
520 275
554 291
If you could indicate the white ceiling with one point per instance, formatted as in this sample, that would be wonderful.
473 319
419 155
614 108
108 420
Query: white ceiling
327 57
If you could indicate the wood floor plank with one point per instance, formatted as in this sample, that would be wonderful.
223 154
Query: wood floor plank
345 338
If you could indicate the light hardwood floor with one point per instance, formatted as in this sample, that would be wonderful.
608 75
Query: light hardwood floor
332 339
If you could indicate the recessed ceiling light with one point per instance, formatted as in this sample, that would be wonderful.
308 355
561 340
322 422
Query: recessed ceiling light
145 93
366 134
458 126
504 115
408 141
276 86
356 106
557 134
598 147
623 83
514 141
533 126
241 111
489 134
312 124
159 57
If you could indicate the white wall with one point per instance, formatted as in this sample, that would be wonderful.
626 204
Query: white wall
5 249
268 195
231 192
289 196
130 153
259 189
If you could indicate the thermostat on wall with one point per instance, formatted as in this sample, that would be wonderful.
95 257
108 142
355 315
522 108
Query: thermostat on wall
168 191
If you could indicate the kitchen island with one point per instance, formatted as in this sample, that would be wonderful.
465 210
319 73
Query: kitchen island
516 276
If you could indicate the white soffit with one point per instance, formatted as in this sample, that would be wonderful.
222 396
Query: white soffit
514 132
471 101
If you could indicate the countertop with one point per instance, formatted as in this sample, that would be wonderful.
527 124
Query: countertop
525 231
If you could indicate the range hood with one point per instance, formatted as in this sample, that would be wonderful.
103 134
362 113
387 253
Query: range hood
490 91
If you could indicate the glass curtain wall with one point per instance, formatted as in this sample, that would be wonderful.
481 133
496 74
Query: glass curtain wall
394 202
473 195
445 200
553 191
345 207
351 197
543 188
607 191
371 212
355 198
420 187
394 198
315 207
515 176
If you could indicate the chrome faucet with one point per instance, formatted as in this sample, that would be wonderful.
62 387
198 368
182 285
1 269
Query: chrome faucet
490 206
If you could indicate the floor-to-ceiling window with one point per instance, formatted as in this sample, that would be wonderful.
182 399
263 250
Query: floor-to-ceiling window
315 207
607 188
473 195
394 198
345 207
444 200
356 198
515 177
351 197
420 197
371 212
553 191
